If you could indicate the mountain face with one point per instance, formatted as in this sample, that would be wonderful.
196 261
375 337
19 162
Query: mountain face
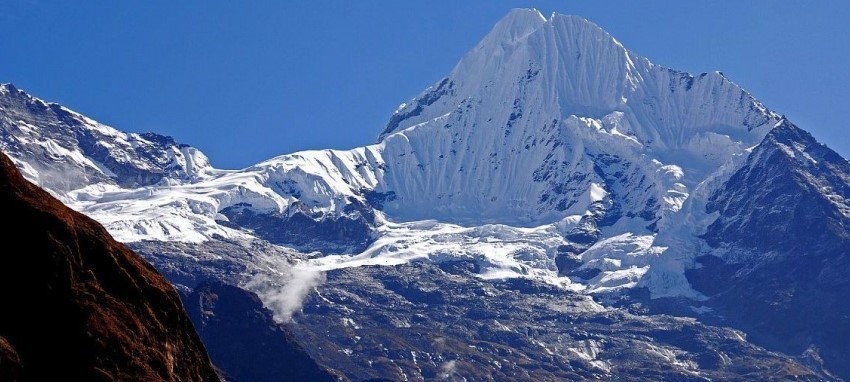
244 340
427 321
548 116
79 306
783 234
551 165
807 186
66 151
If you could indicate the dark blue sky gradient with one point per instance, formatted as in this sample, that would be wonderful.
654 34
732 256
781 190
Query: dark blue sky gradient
248 82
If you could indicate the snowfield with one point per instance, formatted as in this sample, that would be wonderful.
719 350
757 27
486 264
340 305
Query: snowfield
548 128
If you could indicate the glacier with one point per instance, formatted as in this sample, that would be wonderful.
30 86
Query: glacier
551 167
547 128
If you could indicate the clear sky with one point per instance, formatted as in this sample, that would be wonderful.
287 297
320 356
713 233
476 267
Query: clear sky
245 81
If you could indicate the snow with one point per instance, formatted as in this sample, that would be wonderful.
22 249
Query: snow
589 350
500 251
452 149
494 163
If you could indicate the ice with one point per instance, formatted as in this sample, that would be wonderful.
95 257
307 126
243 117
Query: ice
541 122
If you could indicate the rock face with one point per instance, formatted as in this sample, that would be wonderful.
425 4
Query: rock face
78 305
244 340
805 184
10 362
783 248
422 321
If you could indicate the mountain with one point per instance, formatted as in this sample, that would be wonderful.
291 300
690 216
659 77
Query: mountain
783 234
66 151
78 305
551 196
244 340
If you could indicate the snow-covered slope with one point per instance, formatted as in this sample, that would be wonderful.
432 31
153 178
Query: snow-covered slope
546 116
550 153
547 122
65 151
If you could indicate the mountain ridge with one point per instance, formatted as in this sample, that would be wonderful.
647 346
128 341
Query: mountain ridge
550 154
630 171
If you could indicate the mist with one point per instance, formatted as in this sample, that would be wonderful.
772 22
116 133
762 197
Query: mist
284 289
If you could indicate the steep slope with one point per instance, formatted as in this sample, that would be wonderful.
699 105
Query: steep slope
541 121
782 247
62 150
10 362
807 186
550 156
77 305
244 340
546 116
547 122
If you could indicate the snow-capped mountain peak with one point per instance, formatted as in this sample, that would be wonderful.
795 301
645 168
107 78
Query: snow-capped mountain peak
540 101
581 64
550 154
63 150
515 26
548 126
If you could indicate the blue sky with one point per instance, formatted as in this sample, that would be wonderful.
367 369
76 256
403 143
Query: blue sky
248 82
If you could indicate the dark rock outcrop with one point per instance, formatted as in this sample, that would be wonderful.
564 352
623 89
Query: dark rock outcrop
244 340
77 305
308 231
784 230
426 321
792 196
10 362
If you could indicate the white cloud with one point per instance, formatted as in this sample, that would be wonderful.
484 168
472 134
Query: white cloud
447 369
284 289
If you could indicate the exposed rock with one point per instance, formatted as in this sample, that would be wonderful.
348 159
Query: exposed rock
423 321
77 305
10 362
783 237
244 340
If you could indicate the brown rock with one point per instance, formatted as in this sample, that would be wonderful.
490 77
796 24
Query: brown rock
77 305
